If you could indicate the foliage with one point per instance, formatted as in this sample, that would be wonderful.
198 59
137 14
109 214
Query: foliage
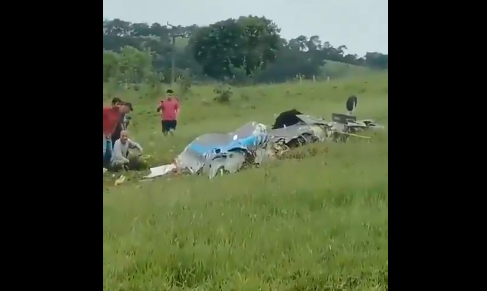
223 93
247 49
184 82
249 43
129 66
307 223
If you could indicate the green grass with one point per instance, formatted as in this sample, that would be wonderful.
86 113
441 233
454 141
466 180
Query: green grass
319 222
342 70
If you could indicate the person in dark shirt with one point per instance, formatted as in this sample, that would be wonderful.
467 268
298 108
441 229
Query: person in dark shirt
125 107
125 118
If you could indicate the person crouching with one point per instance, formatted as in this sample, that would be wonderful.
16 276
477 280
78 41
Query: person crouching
120 154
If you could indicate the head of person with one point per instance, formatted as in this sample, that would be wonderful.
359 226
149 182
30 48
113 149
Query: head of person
116 102
169 94
124 136
125 107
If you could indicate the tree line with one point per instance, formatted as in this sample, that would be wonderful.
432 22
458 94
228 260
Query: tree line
244 49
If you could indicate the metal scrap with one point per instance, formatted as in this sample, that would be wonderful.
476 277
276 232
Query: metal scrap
214 154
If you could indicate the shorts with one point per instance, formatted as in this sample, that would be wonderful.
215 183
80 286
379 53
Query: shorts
169 125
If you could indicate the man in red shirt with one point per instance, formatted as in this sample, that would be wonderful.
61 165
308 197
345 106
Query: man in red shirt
116 102
110 114
111 117
169 109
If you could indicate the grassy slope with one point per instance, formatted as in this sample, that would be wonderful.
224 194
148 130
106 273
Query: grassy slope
301 224
338 69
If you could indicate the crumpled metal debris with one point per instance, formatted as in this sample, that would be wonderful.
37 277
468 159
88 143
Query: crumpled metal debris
213 154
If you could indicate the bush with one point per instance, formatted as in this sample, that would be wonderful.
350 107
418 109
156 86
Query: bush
223 93
184 82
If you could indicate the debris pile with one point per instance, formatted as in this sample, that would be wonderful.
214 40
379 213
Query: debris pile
213 154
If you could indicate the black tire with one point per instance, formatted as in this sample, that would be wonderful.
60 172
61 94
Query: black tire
351 104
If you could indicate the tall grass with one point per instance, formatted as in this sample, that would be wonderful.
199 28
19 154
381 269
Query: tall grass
317 222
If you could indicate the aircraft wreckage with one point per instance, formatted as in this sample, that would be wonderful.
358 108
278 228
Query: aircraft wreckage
212 154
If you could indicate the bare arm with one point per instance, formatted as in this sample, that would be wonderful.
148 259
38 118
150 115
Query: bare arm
133 144
177 110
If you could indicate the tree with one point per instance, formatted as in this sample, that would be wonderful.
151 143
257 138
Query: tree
249 43
129 66
110 65
247 49
377 60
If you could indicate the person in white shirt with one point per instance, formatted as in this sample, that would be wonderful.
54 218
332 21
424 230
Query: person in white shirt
121 150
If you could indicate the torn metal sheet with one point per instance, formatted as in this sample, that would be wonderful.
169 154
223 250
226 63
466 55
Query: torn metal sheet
230 163
160 171
308 129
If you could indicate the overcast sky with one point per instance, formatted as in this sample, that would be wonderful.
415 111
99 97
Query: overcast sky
361 25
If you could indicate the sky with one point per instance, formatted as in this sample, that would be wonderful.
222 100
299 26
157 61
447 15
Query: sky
361 25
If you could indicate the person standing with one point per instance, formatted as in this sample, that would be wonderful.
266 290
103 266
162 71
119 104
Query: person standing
111 117
116 102
169 109
124 108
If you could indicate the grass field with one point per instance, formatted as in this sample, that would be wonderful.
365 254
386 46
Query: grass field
342 70
317 222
